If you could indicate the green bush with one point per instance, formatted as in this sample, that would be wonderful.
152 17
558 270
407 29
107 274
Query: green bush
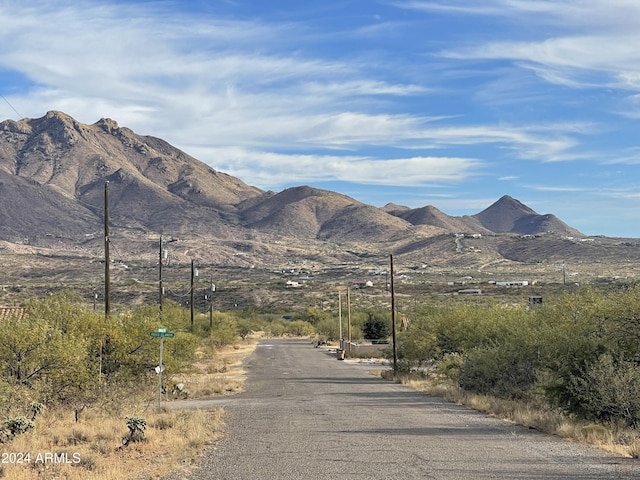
299 328
450 365
329 329
377 326
502 371
608 390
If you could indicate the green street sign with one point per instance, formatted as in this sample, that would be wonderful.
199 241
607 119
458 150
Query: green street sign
162 334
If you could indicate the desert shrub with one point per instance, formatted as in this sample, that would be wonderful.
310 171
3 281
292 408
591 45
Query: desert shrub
315 315
299 328
502 371
377 326
276 328
329 329
180 350
418 344
608 390
450 365
224 330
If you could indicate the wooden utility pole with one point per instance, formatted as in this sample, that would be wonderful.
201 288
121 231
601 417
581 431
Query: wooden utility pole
191 296
107 260
160 288
393 318
348 321
340 313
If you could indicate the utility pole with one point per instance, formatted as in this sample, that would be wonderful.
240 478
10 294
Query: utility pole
340 314
393 318
191 298
160 287
348 321
107 260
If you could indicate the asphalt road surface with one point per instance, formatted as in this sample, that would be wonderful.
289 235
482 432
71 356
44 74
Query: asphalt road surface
306 415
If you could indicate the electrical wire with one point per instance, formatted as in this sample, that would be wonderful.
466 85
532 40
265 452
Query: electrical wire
12 107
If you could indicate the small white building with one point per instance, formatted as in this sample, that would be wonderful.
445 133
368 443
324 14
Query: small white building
515 283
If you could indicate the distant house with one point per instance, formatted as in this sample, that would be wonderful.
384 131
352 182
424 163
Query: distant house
516 283
362 284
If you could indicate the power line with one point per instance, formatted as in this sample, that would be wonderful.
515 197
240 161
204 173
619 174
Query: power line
12 107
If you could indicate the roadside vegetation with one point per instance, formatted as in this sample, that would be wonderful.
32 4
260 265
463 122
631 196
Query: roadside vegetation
78 391
569 367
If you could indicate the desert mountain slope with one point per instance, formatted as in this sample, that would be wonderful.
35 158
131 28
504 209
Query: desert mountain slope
430 215
57 150
310 212
151 183
501 216
508 215
53 172
28 209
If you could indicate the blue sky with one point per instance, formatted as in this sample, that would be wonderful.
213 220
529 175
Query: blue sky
446 103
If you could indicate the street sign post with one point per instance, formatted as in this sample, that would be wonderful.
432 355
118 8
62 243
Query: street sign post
162 334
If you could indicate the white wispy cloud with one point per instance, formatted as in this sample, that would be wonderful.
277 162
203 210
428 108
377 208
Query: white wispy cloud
557 188
120 63
570 61
585 42
614 14
268 169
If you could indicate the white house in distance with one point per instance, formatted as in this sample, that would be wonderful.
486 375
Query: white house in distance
515 283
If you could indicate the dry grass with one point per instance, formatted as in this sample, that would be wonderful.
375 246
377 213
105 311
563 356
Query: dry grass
216 371
613 438
92 449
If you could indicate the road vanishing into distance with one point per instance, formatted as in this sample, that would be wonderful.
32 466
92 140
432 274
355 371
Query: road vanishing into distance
306 415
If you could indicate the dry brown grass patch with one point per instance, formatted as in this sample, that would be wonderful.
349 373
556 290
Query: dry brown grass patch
92 448
217 371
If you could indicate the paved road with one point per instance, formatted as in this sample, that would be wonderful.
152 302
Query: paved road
306 415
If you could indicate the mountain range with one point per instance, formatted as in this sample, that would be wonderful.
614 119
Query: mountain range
53 172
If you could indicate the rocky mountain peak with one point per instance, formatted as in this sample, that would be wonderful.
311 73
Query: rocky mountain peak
57 128
501 216
108 125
